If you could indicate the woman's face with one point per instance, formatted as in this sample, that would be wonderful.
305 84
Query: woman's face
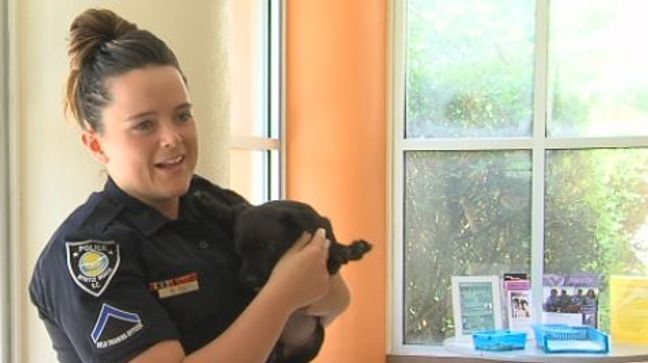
148 142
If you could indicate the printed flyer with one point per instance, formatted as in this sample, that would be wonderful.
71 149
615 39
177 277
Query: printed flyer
571 299
518 302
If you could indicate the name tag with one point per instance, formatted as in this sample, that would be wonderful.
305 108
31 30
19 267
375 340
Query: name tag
175 286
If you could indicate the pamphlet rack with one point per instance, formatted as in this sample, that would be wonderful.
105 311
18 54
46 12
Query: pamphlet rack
499 340
560 338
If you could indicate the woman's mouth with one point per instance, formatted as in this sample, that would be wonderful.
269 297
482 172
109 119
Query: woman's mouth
170 163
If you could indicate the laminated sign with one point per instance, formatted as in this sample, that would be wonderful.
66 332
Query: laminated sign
629 309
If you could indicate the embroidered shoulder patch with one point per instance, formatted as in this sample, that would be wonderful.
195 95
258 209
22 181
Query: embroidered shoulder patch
92 264
114 326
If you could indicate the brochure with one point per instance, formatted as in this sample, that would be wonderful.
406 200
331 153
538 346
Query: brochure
518 302
571 299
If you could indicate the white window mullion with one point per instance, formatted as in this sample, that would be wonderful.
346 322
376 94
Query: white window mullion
466 144
540 105
253 143
596 142
281 95
10 258
398 47
276 173
5 270
4 190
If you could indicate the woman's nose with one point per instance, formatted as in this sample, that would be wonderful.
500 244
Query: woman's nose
170 135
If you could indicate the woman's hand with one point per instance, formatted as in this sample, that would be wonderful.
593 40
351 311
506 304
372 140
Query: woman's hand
301 274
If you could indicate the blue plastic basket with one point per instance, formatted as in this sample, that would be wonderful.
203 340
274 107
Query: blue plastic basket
560 338
499 340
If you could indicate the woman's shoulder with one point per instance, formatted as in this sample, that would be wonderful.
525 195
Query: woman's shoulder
203 187
84 251
91 217
91 221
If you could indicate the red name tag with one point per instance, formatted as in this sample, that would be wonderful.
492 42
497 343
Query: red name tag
175 286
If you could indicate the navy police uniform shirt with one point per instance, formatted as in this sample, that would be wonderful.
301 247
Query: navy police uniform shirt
118 276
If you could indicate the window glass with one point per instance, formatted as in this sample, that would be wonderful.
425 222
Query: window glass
596 215
469 68
469 153
597 68
248 66
257 174
466 213
256 82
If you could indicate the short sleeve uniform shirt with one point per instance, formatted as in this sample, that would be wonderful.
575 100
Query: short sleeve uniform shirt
118 276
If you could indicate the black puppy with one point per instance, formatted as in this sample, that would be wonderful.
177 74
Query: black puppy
262 234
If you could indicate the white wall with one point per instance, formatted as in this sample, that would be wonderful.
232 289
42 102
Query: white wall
54 173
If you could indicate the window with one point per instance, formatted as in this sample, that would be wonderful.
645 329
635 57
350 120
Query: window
255 153
4 187
521 145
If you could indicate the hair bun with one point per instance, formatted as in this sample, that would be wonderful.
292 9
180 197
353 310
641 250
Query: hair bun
91 29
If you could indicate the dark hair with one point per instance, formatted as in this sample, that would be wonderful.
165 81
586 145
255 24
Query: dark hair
102 45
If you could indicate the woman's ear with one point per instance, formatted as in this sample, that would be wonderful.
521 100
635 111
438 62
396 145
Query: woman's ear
90 140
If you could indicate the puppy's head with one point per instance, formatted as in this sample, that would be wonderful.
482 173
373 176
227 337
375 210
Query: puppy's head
264 233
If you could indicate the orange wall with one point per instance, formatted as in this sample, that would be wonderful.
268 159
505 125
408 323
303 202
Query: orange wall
336 156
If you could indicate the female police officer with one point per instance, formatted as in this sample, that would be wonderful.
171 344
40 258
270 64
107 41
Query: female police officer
139 272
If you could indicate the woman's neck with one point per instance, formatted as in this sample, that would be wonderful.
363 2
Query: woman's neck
169 209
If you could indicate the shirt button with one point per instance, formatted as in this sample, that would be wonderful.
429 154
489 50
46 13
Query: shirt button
203 245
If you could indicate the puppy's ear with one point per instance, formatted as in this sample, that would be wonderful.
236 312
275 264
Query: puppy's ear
290 221
292 227
239 208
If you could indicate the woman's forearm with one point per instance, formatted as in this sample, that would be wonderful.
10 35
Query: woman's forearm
299 279
248 340
245 341
334 303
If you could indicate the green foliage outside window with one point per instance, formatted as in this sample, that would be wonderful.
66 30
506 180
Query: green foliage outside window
469 212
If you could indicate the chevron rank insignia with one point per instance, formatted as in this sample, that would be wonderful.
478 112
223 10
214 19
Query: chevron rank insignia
92 264
114 326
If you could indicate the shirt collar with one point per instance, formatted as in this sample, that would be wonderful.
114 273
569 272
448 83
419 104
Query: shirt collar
144 217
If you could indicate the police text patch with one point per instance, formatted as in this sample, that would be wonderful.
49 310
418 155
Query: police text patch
114 326
92 264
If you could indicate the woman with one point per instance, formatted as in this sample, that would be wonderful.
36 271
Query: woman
139 272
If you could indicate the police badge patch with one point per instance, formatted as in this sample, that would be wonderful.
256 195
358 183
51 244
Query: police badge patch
92 264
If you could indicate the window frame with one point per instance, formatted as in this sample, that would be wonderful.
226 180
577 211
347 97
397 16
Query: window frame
537 144
273 107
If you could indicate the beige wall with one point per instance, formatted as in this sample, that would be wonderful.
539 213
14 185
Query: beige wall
54 173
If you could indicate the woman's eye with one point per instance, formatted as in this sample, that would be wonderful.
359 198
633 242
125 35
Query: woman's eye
185 116
142 126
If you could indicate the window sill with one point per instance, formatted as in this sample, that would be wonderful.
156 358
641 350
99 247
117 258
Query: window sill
440 359
462 352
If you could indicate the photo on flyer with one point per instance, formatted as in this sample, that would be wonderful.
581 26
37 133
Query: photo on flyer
571 299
